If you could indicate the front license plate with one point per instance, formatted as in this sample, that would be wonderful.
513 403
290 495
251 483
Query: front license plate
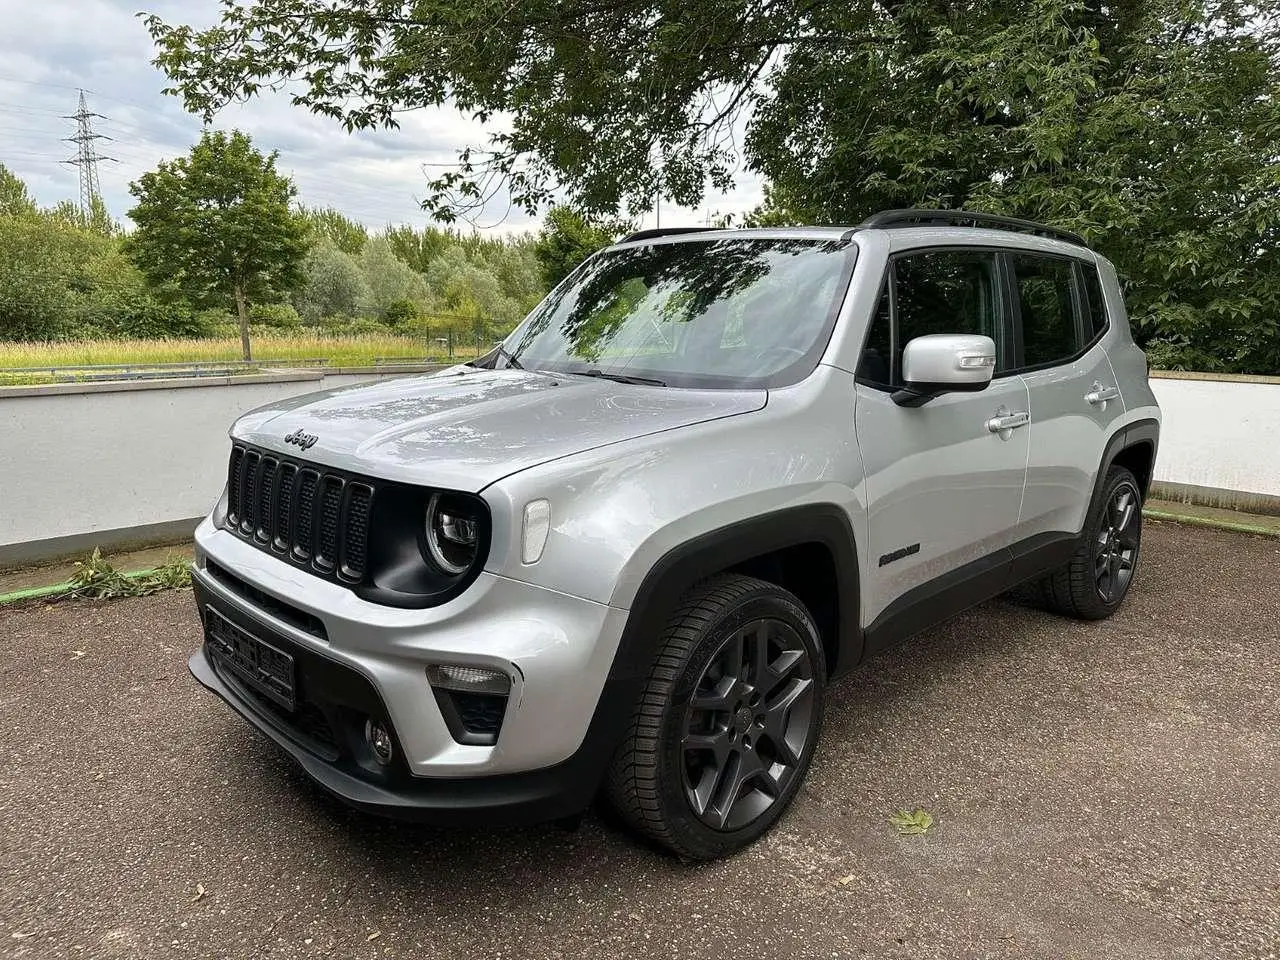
255 662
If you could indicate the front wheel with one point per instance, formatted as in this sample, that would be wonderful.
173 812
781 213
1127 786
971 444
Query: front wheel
727 722
1095 581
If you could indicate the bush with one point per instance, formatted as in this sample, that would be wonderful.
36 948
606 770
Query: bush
365 325
422 327
400 312
280 316
146 319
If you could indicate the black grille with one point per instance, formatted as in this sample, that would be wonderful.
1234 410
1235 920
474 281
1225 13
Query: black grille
318 518
480 714
291 615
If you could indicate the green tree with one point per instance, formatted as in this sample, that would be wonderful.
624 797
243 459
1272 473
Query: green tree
329 224
468 290
215 226
15 199
333 284
41 263
389 280
567 238
1150 127
418 248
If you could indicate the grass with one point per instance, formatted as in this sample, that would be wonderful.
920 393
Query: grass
348 351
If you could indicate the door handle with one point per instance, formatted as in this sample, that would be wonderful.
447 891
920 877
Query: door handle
1004 423
1100 394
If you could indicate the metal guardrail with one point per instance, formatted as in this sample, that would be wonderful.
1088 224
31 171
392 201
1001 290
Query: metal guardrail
95 373
91 368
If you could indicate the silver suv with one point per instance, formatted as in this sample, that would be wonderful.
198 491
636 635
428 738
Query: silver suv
626 551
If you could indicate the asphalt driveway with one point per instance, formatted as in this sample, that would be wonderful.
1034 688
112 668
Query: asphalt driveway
1105 790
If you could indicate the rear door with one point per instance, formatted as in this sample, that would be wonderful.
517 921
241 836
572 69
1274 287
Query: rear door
1075 404
943 488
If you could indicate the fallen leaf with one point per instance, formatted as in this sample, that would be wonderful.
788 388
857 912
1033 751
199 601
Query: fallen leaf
913 822
373 936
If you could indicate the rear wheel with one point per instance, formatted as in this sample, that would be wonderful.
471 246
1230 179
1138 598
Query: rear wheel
1095 581
727 723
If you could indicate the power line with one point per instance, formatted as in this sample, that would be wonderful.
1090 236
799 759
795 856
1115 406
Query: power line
86 157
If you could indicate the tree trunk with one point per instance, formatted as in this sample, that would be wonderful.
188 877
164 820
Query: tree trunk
243 310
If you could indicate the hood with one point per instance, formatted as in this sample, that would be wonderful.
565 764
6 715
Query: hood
464 430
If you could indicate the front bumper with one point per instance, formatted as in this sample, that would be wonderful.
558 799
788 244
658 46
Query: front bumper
561 720
532 797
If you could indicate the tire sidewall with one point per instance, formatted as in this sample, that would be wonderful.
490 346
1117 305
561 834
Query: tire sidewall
702 840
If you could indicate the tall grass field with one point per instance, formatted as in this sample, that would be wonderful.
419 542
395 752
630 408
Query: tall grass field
342 351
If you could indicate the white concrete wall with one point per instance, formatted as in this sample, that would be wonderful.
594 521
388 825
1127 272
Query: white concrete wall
101 457
1220 434
95 457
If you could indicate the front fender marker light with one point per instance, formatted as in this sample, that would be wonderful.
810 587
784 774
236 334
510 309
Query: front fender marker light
537 524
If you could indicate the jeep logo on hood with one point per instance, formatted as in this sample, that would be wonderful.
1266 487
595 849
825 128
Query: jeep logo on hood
304 440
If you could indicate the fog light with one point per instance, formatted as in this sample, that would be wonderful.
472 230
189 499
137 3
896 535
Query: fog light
378 737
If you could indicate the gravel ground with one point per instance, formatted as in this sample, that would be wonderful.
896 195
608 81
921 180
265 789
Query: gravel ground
1101 790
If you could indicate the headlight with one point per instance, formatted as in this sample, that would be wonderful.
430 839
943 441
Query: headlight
452 531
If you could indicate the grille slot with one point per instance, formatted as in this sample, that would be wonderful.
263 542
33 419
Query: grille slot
330 512
284 508
249 492
266 489
355 547
318 518
235 477
304 542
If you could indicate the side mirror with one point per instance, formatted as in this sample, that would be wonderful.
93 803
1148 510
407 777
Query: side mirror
944 363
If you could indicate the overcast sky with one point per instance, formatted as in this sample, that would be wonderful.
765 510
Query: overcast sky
54 47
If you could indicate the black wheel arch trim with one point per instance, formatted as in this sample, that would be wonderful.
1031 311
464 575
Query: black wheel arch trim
672 576
737 543
1146 431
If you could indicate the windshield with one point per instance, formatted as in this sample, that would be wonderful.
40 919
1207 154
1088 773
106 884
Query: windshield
710 313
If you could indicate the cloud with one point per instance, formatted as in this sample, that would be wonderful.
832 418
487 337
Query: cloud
102 47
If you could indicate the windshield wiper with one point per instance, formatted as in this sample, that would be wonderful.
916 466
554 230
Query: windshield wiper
502 351
619 377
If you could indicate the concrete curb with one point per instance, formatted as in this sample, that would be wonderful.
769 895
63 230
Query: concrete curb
1212 522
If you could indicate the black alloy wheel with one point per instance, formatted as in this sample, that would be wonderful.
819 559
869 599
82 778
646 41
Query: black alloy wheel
1116 545
728 720
747 725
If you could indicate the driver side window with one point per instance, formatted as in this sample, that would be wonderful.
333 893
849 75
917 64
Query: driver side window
943 291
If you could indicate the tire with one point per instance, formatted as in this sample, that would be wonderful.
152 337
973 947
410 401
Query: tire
1095 581
722 736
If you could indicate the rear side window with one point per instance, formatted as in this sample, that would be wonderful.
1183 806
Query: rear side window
944 291
1096 303
1045 290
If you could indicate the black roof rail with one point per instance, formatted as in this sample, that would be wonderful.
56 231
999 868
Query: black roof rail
886 219
663 232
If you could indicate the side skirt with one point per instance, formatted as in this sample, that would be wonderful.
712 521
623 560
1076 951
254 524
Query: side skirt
931 603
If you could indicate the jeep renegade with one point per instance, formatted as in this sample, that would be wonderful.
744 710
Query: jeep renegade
626 551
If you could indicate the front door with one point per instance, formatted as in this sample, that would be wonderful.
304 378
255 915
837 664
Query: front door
943 483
